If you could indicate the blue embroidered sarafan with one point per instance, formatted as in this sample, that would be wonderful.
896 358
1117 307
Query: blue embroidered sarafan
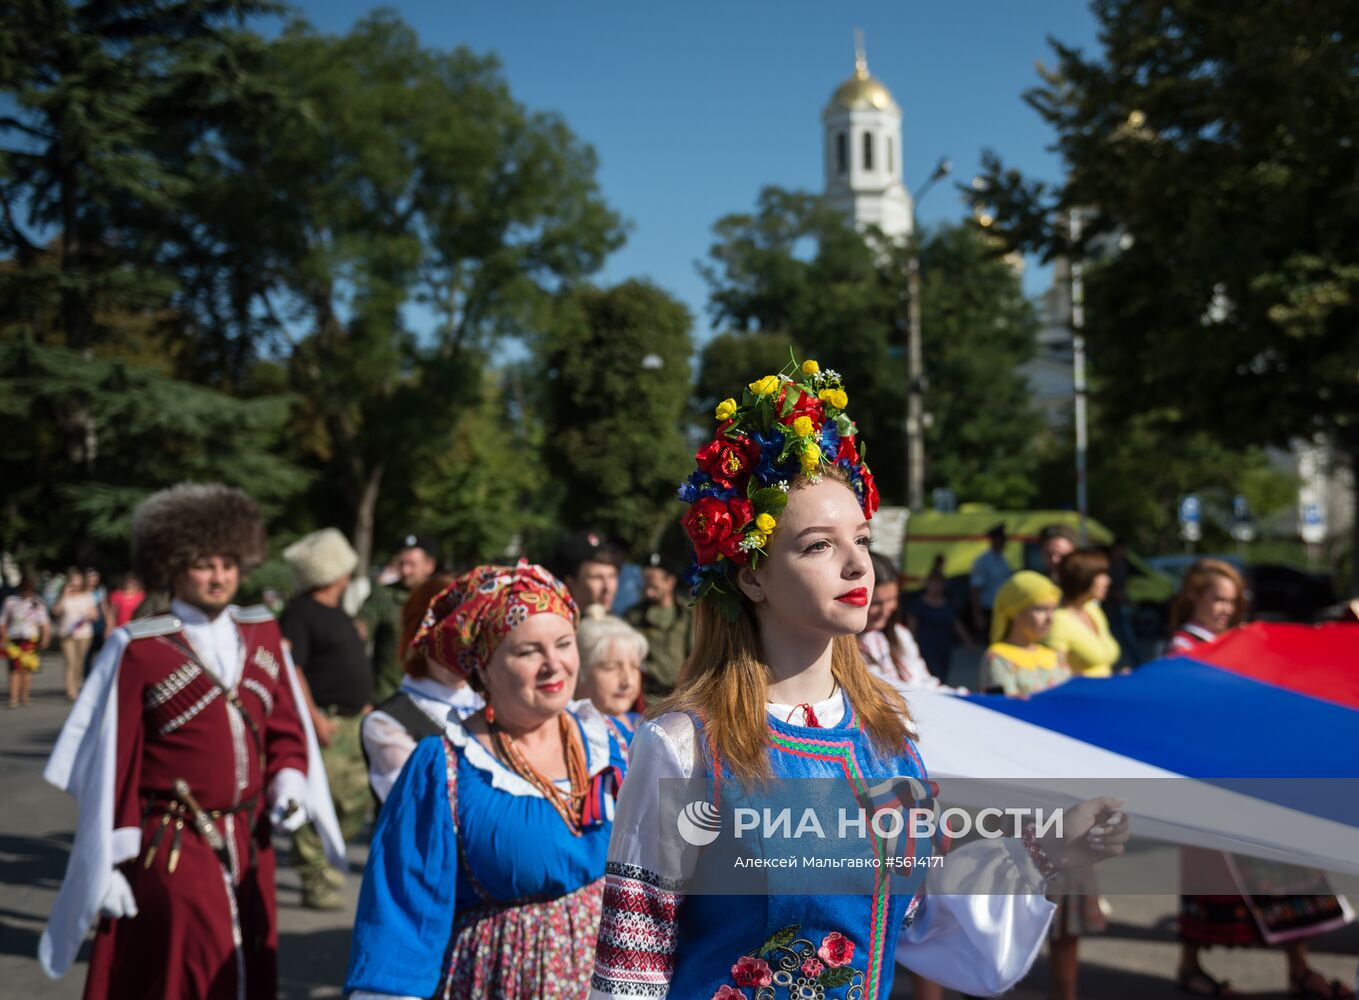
824 946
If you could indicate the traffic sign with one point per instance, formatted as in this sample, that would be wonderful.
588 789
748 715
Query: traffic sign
1190 518
944 500
1243 525
1311 517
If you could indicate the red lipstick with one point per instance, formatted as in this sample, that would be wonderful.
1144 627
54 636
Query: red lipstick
552 687
858 597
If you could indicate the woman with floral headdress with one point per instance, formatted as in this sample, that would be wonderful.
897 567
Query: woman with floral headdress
774 690
486 870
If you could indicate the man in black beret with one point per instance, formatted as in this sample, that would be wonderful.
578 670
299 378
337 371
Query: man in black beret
416 559
667 623
588 565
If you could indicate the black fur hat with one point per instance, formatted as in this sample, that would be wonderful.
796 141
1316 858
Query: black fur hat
172 528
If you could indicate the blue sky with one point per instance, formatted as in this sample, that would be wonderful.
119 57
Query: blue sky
694 107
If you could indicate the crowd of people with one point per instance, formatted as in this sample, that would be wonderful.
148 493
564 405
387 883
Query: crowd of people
504 732
75 609
1047 628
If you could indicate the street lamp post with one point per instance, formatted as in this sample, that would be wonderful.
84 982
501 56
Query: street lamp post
915 366
1078 371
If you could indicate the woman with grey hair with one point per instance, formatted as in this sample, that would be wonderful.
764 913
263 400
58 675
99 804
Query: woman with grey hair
611 656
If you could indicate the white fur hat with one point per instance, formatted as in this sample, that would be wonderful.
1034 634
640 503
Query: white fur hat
321 558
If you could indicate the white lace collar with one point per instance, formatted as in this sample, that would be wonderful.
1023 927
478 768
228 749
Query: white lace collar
505 780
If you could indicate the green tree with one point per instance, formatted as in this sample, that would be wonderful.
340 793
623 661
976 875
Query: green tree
111 105
977 329
71 485
1144 462
1217 144
617 386
730 360
482 487
797 272
411 179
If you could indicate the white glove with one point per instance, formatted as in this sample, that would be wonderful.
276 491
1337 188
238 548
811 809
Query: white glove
287 816
118 900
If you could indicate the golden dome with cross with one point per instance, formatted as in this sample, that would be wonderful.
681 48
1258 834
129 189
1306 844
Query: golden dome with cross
862 90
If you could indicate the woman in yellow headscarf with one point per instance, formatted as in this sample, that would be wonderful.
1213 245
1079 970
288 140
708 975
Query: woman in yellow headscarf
1017 662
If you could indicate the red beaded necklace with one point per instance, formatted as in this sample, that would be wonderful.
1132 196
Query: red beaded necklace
570 805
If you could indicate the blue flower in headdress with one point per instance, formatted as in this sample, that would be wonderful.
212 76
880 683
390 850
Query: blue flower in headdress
699 484
693 578
830 439
856 479
768 470
696 576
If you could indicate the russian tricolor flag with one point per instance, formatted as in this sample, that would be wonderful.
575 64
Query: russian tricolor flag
1261 727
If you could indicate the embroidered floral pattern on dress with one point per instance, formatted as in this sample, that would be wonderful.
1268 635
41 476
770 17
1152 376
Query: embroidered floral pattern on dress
792 965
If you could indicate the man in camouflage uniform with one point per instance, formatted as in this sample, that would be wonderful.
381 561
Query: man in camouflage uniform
667 623
416 560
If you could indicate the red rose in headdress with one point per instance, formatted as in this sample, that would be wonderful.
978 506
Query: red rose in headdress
742 512
708 525
870 494
848 450
807 405
729 461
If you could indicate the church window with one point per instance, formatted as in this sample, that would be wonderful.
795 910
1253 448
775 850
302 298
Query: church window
841 152
868 150
889 154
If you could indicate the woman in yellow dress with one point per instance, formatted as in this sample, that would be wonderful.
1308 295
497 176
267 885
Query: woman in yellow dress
1017 663
1080 631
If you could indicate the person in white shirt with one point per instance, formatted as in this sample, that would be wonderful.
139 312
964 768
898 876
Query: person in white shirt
429 698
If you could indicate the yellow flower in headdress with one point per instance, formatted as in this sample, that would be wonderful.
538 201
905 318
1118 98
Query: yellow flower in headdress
811 456
757 538
766 523
803 427
837 398
725 409
766 386
810 367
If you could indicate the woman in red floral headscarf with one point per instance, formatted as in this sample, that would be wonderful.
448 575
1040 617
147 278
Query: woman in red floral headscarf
486 871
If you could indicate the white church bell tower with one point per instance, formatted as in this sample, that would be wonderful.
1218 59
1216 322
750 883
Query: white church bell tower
862 143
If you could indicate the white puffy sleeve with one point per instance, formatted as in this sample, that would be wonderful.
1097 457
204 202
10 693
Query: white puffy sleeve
634 957
389 745
982 934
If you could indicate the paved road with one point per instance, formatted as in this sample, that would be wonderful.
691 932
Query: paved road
1128 963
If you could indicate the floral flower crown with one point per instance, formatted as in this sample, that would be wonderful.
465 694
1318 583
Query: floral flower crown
785 425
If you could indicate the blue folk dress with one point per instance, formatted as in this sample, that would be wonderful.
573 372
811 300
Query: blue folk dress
474 885
656 940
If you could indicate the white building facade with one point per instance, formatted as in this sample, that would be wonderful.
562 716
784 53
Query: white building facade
861 129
